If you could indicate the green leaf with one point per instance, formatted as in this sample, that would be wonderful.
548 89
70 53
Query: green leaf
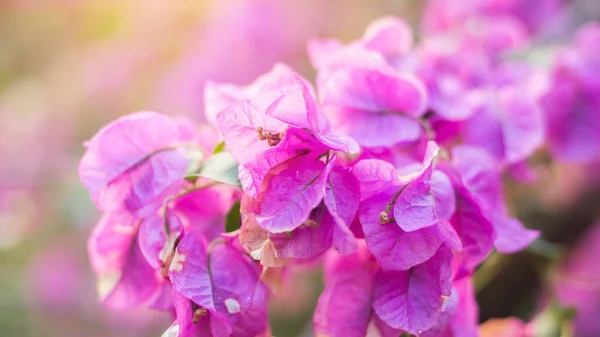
219 148
221 167
233 221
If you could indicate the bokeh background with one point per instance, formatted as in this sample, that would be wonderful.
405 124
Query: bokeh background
67 67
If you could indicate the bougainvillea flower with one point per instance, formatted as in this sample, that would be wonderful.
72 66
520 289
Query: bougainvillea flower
362 92
498 35
449 80
411 300
278 249
507 123
345 306
294 143
328 223
405 217
388 35
133 163
290 191
424 201
384 40
480 175
399 250
218 96
223 285
251 127
396 249
247 131
125 278
328 56
447 77
571 101
459 314
375 108
351 175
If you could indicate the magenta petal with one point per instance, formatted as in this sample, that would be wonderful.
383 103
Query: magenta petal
131 165
394 248
443 192
163 299
344 307
388 35
409 171
125 278
475 230
425 201
374 176
368 90
465 320
441 327
415 207
459 316
507 124
143 188
512 236
225 282
183 325
238 292
524 129
484 130
571 119
412 300
295 142
154 242
289 192
238 124
481 177
276 249
339 142
217 97
371 129
377 327
189 271
342 198
343 240
305 242
321 129
293 104
479 173
347 263
330 55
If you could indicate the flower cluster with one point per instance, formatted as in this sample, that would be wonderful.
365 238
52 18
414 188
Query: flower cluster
389 170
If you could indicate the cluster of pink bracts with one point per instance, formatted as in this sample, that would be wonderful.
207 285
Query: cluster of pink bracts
390 170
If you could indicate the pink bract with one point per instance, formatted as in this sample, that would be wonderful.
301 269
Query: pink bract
133 163
224 283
